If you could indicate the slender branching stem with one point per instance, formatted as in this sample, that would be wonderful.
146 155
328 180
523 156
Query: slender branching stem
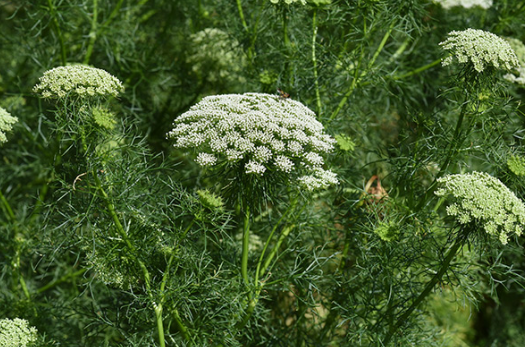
418 70
357 80
7 208
63 52
133 253
458 243
245 245
314 63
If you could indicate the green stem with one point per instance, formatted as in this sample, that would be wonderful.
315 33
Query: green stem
314 62
53 13
145 272
418 70
92 33
463 234
60 280
7 208
245 246
357 80
241 15
455 144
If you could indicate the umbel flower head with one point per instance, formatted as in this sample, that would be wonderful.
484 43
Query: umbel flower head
518 76
77 81
479 48
16 333
288 2
6 124
260 132
484 200
217 56
447 4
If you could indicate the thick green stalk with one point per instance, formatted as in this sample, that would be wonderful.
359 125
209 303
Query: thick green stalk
462 237
241 15
92 33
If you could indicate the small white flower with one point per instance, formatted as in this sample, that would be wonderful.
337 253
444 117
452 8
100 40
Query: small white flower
254 167
6 123
284 163
206 159
480 48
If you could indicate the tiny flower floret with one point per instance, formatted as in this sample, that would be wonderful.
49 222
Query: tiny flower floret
483 199
6 124
479 48
77 81
263 133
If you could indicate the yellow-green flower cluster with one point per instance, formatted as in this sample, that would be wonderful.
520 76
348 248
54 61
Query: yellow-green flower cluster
217 56
260 132
484 200
519 73
77 81
16 333
448 4
516 164
6 123
479 48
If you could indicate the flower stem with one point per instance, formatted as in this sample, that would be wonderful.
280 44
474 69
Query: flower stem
356 81
314 62
245 245
63 54
418 70
145 272
92 33
460 240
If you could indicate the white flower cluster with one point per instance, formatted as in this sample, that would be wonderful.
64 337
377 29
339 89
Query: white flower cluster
16 333
480 48
483 199
217 55
78 81
262 132
6 123
519 75
288 2
448 4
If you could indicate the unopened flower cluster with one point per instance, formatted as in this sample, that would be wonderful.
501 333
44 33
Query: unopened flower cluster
518 76
217 56
6 123
16 333
448 4
483 199
262 132
516 164
77 81
479 48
